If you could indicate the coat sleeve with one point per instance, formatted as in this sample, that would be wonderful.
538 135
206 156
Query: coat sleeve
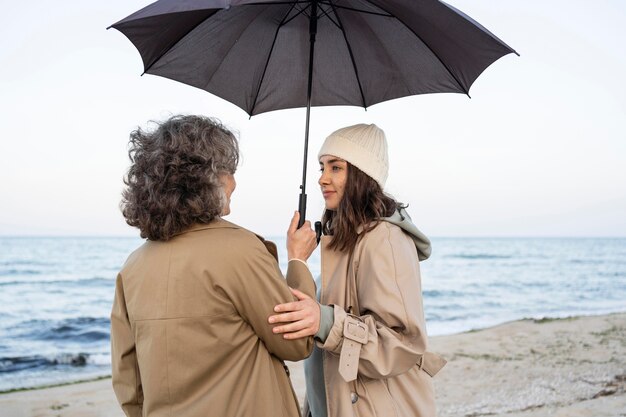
390 301
125 369
257 286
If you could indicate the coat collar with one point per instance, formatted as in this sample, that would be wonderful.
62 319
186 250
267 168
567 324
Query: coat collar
220 223
217 223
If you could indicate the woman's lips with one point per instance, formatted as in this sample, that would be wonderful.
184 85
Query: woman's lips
327 194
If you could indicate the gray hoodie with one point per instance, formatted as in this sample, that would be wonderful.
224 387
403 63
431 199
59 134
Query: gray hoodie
402 219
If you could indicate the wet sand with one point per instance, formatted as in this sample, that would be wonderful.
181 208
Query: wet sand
574 367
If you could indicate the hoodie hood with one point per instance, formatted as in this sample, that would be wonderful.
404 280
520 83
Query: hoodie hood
402 219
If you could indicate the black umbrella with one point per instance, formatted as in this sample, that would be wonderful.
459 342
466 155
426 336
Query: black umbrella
262 55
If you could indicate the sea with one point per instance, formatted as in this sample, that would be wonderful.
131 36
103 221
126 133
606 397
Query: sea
56 293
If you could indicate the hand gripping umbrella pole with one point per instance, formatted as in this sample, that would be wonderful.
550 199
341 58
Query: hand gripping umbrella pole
302 200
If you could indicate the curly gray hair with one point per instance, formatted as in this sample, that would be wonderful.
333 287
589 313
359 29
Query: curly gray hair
173 181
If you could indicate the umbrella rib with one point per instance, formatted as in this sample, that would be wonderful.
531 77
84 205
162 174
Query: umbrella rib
325 13
169 48
272 3
358 10
356 71
428 46
293 17
146 69
269 55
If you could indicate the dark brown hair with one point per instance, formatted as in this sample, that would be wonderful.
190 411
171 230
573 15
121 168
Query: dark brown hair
363 204
173 181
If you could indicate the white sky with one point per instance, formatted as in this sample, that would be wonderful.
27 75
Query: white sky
539 150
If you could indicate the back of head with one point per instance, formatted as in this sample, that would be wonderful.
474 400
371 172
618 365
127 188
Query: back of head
173 181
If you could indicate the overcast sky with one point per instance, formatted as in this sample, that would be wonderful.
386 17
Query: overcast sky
539 149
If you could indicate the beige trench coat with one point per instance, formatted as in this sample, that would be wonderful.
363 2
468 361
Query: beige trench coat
374 361
189 330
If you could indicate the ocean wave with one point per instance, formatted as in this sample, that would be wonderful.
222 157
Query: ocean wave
81 329
13 272
442 293
588 261
611 274
443 317
31 262
20 363
479 256
62 282
76 335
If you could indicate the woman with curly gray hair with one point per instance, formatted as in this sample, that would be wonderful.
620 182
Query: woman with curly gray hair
188 325
177 175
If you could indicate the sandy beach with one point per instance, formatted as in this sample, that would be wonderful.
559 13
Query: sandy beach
529 368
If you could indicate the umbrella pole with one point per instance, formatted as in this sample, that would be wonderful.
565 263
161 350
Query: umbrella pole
312 33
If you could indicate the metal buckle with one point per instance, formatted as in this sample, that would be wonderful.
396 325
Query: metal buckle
356 330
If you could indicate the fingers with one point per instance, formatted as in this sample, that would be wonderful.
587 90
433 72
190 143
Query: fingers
297 319
299 294
293 226
301 242
304 327
304 303
294 311
293 306
287 317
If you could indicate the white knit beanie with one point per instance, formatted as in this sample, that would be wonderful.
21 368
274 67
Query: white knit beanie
364 146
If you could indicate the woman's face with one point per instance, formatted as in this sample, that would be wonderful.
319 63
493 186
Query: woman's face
333 180
228 184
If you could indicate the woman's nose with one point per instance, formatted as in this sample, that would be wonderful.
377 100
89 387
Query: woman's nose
323 178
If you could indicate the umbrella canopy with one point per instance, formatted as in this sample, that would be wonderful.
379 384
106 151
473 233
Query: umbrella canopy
270 55
256 54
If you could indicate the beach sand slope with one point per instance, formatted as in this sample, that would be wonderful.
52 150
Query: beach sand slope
564 367
574 367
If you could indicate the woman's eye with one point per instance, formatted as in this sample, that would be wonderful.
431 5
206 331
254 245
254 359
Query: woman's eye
336 168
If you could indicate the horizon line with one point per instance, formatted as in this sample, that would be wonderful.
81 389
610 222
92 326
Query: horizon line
104 236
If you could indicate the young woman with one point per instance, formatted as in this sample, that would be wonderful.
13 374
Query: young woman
371 356
189 334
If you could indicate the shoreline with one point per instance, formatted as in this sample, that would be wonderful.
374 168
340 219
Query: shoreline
526 368
60 384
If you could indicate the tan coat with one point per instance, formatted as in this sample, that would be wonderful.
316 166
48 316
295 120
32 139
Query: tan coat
381 286
189 330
